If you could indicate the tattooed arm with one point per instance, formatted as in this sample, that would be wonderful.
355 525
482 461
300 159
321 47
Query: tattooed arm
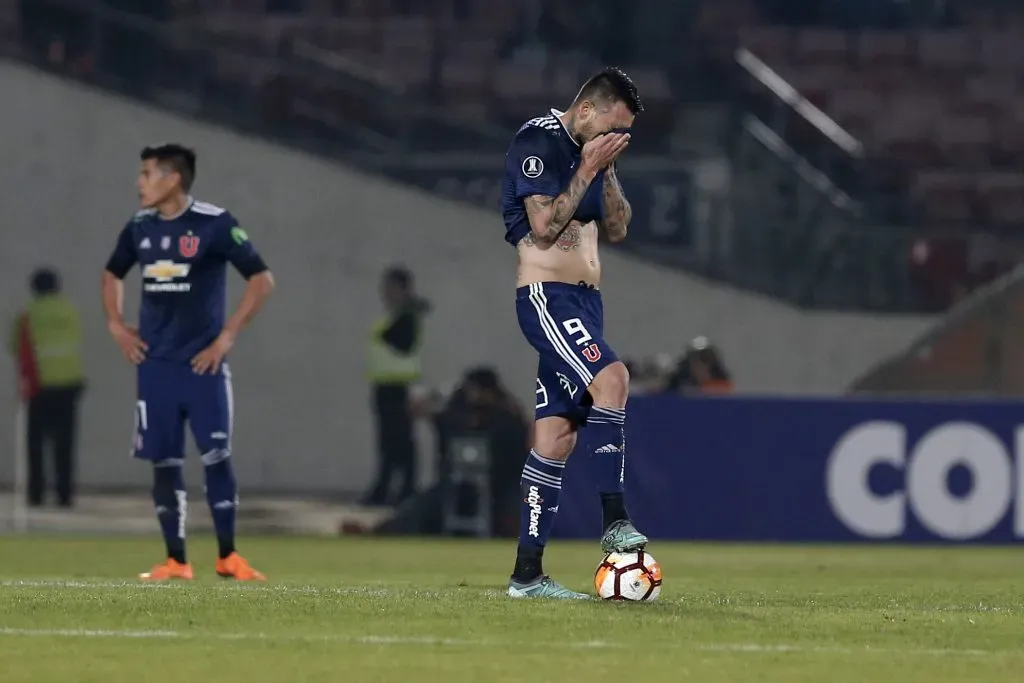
549 215
617 211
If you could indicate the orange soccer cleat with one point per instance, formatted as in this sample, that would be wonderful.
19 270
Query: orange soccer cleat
235 567
170 569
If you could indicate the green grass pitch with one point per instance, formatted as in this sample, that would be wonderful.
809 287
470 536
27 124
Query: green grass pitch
366 610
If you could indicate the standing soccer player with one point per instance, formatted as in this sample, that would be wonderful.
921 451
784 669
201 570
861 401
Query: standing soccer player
560 190
183 247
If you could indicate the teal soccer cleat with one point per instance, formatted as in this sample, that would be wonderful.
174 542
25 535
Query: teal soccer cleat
544 587
622 537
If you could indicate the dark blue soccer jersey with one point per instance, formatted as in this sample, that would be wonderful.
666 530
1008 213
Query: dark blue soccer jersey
542 159
184 263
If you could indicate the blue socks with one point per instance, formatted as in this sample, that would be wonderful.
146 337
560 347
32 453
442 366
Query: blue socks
606 440
222 496
540 486
171 503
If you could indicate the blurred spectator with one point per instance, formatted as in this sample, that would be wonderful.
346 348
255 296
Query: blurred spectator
650 375
394 366
701 369
479 405
482 405
45 340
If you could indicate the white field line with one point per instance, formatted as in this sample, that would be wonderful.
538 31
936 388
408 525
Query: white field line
93 584
368 591
322 638
130 585
866 649
100 584
738 648
363 590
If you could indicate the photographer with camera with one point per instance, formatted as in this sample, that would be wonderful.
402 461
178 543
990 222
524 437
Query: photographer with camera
479 406
700 370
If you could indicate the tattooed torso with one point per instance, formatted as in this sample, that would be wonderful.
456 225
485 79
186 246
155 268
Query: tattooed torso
572 257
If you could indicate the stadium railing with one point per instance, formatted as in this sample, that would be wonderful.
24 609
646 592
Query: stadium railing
801 225
974 349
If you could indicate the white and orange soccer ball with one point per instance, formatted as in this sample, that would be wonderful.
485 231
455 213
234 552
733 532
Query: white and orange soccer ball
628 576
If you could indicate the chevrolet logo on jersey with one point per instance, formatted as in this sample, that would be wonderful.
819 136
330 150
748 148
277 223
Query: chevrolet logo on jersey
166 276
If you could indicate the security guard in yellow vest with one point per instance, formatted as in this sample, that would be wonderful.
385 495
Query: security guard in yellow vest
46 339
394 366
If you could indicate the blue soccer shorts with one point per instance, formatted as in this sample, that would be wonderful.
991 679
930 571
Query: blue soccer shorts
169 394
565 324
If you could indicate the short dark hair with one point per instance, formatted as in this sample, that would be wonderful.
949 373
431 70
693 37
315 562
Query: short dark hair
611 84
400 275
178 158
45 281
484 377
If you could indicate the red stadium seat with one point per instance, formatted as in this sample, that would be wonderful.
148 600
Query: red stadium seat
821 46
947 50
965 141
1003 196
946 197
769 43
524 91
408 50
880 49
855 106
1001 51
465 84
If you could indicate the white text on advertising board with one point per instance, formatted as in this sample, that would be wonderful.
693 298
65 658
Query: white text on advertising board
997 480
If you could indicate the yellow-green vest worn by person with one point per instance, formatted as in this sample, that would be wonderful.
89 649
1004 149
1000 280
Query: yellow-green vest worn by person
56 340
386 365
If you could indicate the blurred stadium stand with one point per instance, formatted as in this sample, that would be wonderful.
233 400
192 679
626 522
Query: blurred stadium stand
873 144
931 108
974 350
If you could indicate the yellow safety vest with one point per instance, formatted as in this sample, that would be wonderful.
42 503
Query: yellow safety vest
56 340
386 365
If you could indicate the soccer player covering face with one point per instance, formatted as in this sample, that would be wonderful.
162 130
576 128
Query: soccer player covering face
560 192
180 347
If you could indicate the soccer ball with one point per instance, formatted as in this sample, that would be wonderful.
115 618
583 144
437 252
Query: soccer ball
628 576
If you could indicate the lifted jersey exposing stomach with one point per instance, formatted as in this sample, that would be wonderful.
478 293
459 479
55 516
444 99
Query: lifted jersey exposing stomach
541 160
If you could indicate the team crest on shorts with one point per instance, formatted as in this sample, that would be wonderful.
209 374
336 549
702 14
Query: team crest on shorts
532 167
592 353
188 245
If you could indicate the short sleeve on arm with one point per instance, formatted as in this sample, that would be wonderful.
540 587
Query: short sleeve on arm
535 159
234 243
124 255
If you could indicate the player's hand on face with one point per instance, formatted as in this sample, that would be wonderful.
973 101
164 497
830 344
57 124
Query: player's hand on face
128 339
602 150
620 149
210 358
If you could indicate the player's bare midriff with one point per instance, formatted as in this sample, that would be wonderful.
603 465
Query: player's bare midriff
572 258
